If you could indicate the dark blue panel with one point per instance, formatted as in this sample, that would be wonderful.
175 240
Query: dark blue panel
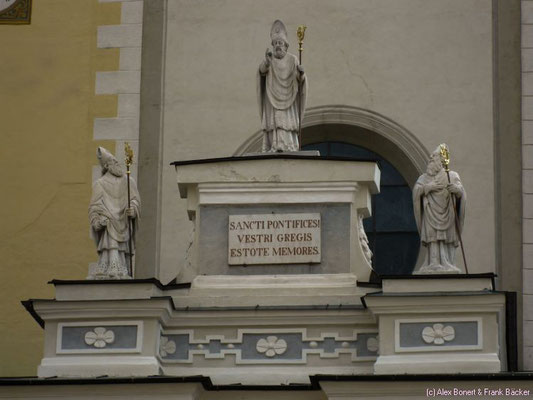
390 175
393 210
321 147
395 242
396 254
351 151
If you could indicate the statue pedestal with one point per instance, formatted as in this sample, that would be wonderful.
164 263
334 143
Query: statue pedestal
439 325
96 327
277 214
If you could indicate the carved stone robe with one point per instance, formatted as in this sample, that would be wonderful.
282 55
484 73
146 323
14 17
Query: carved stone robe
279 101
434 214
108 203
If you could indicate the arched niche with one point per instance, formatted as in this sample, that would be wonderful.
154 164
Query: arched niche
365 128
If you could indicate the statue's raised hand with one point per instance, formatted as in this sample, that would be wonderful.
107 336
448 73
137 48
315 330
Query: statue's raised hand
433 187
268 56
301 69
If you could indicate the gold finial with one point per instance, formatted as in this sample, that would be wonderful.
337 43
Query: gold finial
445 156
129 155
301 34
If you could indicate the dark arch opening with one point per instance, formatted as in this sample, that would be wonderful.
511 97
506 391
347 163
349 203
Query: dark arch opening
364 138
391 230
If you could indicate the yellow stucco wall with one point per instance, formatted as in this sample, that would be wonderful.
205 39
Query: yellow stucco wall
47 106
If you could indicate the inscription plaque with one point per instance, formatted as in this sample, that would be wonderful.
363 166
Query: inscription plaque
274 239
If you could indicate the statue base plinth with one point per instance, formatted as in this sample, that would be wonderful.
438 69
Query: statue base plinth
439 270
438 324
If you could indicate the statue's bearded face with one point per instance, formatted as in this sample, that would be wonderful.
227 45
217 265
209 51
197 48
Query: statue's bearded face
114 167
434 165
280 48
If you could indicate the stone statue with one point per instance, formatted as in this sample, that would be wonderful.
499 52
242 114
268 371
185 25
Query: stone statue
282 91
110 216
435 195
363 240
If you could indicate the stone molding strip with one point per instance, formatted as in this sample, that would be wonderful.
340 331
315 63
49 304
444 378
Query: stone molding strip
125 83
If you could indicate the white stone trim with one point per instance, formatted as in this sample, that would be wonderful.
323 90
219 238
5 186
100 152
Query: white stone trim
117 82
262 193
132 12
267 375
113 36
461 363
128 105
95 324
130 59
92 366
232 282
435 285
126 82
267 331
399 349
120 128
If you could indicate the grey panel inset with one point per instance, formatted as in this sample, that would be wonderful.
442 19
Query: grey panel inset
182 347
293 351
362 345
73 337
466 334
214 347
213 240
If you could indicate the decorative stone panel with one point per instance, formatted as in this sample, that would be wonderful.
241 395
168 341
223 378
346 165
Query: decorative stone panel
99 337
445 335
254 346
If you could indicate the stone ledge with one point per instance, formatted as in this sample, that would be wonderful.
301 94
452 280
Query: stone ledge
446 364
91 366
436 283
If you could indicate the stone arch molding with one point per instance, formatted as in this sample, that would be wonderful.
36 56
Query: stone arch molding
402 138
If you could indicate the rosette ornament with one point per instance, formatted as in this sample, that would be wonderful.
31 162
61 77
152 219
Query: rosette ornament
271 346
372 344
99 337
438 334
166 346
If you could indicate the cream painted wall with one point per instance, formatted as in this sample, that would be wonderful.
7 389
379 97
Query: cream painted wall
425 64
47 107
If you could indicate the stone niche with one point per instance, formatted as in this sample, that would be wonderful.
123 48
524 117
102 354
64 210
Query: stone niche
277 214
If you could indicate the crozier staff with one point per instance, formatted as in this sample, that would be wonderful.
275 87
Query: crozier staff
300 33
129 160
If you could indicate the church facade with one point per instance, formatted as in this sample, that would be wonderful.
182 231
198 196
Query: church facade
388 82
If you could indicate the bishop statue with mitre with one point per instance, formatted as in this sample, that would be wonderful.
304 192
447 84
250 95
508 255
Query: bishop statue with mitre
109 216
282 91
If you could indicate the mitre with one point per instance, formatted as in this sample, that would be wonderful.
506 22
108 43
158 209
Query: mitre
278 31
104 156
